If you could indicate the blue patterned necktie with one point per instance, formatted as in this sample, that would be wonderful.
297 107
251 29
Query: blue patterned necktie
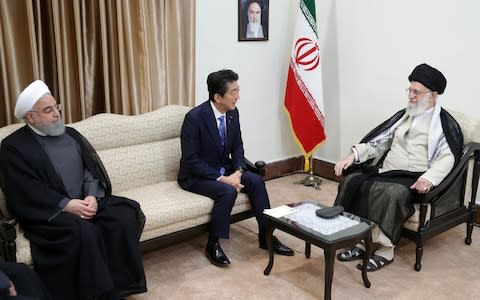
221 130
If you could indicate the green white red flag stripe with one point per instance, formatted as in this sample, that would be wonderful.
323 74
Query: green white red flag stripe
304 91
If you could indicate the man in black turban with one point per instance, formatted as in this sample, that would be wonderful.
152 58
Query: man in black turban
412 151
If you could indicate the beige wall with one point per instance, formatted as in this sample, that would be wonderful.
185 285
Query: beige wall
369 48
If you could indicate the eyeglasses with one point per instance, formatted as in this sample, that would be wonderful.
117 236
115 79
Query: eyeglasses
49 109
415 92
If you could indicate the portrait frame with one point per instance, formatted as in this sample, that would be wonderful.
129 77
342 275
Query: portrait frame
260 33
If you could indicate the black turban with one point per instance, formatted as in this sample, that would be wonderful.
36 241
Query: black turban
429 77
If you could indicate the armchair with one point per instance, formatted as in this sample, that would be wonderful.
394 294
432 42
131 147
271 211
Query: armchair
449 204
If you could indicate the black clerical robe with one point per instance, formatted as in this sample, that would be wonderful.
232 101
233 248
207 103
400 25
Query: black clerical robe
75 258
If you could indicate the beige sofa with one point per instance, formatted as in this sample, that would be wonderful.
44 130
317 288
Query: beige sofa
141 154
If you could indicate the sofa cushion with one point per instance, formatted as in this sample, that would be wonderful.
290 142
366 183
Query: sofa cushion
23 248
169 208
144 164
107 131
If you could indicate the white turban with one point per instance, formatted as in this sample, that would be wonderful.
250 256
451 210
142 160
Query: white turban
29 96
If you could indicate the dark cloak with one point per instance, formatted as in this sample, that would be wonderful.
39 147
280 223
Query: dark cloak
75 258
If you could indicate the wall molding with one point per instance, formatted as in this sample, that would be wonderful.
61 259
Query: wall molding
295 165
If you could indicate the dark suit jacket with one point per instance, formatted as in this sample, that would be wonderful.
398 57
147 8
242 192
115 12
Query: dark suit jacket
201 150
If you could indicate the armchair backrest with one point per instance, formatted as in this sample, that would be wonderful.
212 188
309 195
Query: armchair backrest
470 127
471 134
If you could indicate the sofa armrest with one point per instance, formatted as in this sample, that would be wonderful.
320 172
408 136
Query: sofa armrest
8 234
258 167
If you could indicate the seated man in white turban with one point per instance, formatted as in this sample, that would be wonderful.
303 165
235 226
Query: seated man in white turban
84 241
412 151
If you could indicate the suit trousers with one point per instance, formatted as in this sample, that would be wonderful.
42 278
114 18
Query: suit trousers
225 195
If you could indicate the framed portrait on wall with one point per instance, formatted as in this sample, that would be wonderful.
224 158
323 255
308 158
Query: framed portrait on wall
253 20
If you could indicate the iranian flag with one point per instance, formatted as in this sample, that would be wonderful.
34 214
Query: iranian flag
304 92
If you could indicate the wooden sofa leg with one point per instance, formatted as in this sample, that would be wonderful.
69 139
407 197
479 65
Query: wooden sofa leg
419 253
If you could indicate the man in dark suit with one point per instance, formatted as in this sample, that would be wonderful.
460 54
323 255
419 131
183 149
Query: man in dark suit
213 163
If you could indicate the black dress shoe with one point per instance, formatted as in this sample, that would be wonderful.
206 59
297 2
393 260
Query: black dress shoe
278 247
216 256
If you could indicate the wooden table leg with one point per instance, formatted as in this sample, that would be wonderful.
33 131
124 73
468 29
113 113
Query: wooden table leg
308 249
366 258
269 239
329 261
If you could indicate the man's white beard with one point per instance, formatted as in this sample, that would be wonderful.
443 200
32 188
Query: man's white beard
414 109
55 129
254 27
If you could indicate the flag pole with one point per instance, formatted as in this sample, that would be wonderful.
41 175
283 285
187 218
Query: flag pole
310 180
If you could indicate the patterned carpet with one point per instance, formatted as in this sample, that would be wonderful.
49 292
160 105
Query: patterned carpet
450 268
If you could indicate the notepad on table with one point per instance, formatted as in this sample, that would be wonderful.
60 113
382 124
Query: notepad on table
280 211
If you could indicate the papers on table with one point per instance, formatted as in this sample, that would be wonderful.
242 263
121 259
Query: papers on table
280 211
